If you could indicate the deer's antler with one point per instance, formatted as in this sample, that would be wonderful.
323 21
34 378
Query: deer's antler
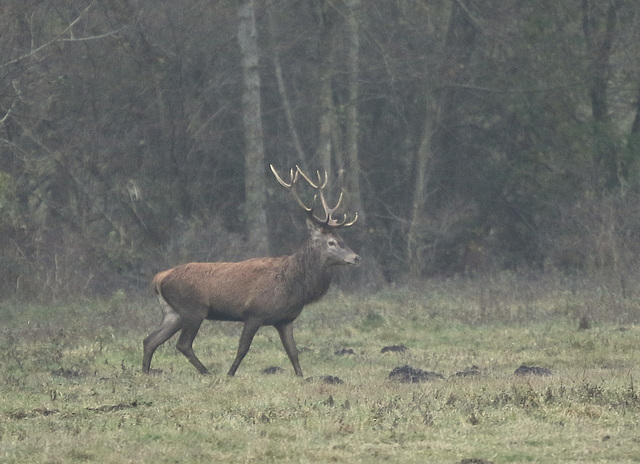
328 221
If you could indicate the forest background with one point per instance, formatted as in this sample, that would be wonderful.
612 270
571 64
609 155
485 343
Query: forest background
470 136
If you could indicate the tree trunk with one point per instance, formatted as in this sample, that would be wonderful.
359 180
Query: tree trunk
325 146
352 166
635 127
599 40
282 89
256 219
599 44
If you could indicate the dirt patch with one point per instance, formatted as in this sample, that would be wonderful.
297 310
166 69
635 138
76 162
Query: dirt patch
344 352
48 412
33 413
66 373
584 324
468 372
331 379
532 370
409 374
394 349
272 370
118 407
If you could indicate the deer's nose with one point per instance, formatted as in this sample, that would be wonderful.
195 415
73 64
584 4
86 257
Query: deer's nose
356 260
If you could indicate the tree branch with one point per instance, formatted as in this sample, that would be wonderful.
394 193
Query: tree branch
60 38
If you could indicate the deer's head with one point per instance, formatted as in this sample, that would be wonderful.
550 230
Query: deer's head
323 228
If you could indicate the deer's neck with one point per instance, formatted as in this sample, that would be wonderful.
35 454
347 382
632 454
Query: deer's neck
306 277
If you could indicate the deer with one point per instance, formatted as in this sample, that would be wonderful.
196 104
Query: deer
268 291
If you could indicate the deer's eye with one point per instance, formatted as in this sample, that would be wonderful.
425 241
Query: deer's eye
331 243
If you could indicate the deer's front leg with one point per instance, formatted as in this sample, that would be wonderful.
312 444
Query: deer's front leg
286 335
249 330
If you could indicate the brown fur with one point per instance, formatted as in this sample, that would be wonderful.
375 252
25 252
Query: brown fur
259 291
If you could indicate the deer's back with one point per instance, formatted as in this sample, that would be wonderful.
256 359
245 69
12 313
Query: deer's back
229 291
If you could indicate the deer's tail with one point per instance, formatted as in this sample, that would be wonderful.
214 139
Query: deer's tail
157 281
157 287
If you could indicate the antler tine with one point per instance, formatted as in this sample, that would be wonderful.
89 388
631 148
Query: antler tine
344 222
329 221
279 179
349 224
292 186
305 177
329 211
326 178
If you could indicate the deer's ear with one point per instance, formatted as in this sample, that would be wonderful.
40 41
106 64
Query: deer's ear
314 228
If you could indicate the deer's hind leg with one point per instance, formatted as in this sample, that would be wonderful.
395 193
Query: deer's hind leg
185 344
170 324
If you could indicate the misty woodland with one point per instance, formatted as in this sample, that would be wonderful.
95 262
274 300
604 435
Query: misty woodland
470 136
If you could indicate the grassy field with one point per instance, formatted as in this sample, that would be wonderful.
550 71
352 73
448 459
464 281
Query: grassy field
72 391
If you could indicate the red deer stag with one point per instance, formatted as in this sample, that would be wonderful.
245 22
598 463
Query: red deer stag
259 291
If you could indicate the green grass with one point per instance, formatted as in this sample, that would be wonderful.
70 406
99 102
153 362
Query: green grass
72 391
